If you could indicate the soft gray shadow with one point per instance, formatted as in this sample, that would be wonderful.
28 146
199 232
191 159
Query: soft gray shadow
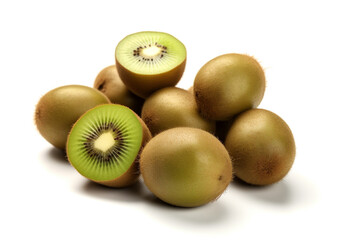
277 193
55 161
133 193
211 213
58 155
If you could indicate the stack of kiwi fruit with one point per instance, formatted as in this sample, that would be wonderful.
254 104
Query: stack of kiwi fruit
185 144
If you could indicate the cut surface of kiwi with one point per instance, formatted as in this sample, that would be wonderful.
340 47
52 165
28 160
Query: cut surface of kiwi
61 107
147 61
261 146
104 144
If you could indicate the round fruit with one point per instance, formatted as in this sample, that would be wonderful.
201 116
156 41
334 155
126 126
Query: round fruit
105 143
109 83
262 147
173 107
228 85
148 61
59 109
186 167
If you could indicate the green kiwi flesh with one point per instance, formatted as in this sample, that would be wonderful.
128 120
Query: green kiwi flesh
61 107
262 147
148 61
186 167
173 107
104 145
228 85
110 84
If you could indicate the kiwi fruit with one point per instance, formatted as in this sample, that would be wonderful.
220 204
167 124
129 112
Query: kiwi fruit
59 109
147 61
173 107
185 167
110 84
104 145
227 85
262 147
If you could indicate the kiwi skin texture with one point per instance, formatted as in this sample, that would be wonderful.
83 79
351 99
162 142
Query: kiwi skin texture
131 176
110 84
144 85
262 147
61 107
191 89
228 85
173 107
193 169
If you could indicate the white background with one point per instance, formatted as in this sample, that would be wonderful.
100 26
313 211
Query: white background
310 52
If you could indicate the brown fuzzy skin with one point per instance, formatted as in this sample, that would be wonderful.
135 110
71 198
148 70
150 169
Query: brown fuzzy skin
173 107
191 89
132 174
262 147
227 85
145 85
186 167
61 107
109 83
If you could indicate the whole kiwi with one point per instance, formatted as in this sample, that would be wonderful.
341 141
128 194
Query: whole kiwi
185 167
61 107
109 83
262 147
227 85
173 107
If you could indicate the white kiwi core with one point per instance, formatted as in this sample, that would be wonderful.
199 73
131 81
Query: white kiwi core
150 52
104 142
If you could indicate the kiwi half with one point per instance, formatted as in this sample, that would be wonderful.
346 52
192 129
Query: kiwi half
59 109
186 167
173 107
262 147
227 85
109 83
148 61
104 145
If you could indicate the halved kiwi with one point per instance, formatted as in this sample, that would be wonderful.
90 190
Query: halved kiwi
109 83
104 145
186 167
173 107
262 147
148 61
59 109
227 85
